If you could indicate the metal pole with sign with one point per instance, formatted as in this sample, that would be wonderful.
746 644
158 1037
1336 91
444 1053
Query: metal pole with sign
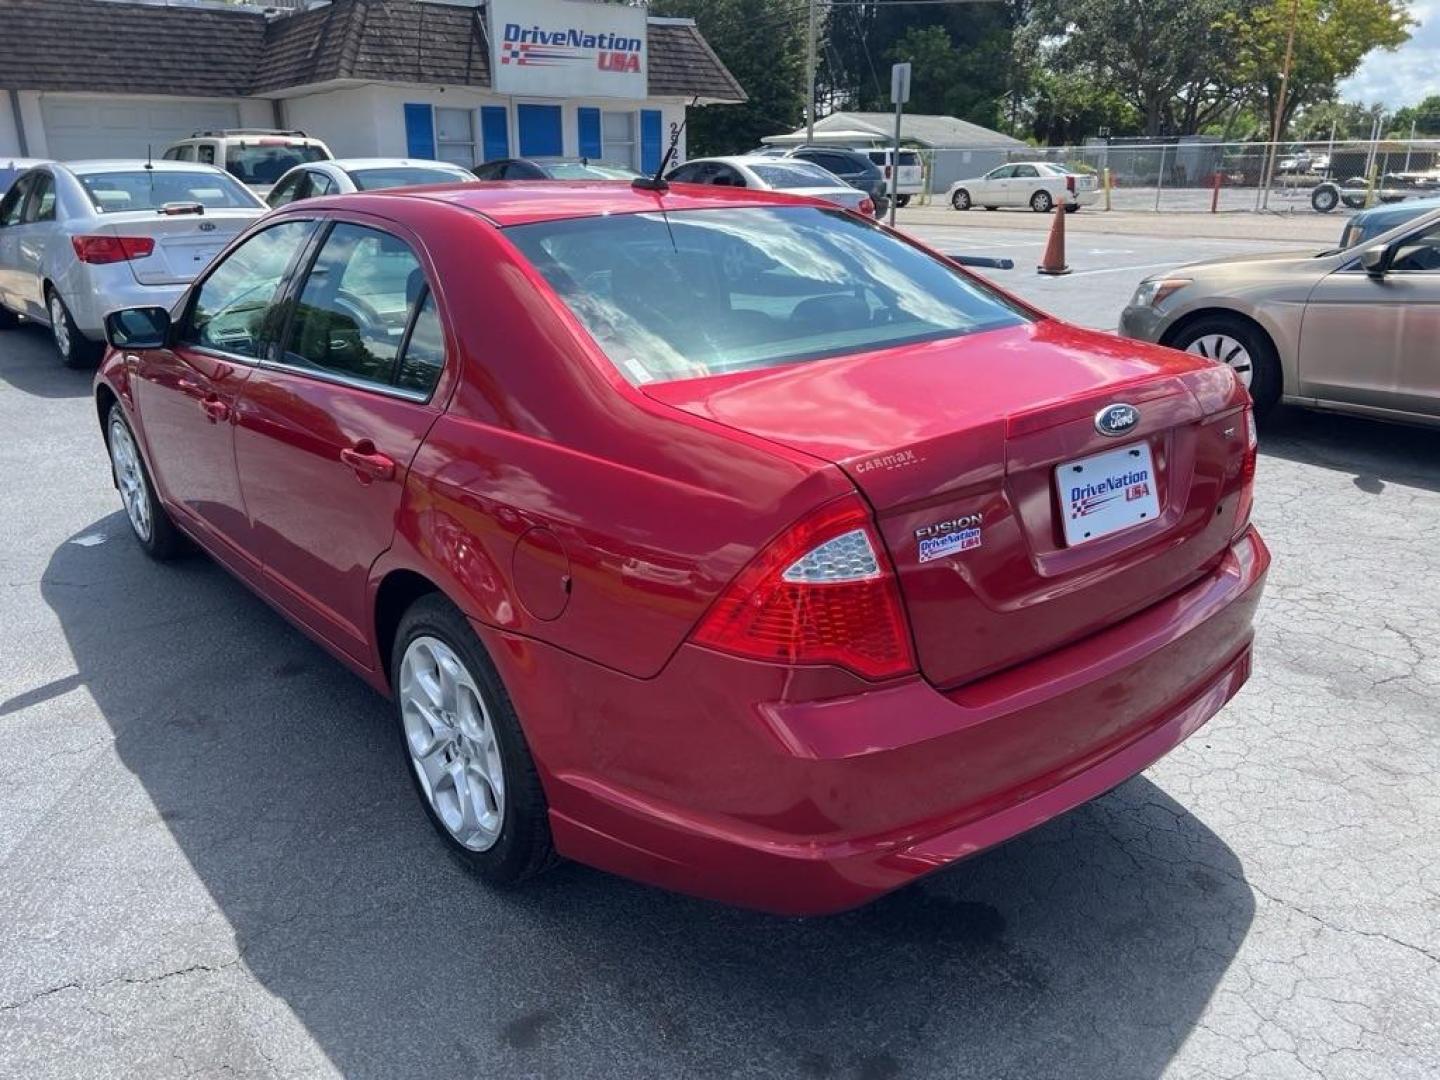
899 94
810 77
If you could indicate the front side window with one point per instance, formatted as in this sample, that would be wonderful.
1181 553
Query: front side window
706 292
235 309
150 189
287 191
1004 172
356 305
1418 251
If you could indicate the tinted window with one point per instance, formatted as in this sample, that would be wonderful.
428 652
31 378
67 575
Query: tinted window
685 174
14 202
1419 251
320 184
41 206
491 170
288 190
173 154
1024 171
909 157
150 189
374 179
265 164
424 356
234 309
205 153
352 313
1002 173
711 291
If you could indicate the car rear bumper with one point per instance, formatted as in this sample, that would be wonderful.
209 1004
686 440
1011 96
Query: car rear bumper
99 290
815 806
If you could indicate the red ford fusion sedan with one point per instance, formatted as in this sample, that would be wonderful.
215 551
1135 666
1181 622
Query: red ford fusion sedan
723 540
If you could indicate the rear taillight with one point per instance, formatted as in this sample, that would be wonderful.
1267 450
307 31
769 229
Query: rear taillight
867 206
1246 501
887 172
101 249
822 592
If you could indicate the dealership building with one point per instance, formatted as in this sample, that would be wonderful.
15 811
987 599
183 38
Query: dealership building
461 80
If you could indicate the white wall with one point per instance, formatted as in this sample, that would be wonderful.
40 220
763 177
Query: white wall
369 121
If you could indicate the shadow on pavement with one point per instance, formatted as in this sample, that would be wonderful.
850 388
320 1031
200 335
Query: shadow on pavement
1374 451
29 362
1087 948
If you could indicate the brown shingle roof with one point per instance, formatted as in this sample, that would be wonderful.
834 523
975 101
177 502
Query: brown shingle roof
127 48
105 47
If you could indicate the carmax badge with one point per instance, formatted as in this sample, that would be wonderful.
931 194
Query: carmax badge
1116 419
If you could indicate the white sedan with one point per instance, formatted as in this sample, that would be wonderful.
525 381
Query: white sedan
345 175
774 174
1036 184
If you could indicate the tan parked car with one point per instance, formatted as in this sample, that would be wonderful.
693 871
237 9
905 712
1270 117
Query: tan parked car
1354 330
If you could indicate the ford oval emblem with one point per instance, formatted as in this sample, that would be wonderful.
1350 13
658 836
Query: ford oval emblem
1116 419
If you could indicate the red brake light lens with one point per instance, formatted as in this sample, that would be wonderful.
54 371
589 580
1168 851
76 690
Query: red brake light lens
102 249
822 592
867 206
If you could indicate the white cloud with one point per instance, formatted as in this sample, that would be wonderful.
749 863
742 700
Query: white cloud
1407 75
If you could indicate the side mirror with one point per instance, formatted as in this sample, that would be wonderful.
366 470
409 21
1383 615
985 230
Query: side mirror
138 328
1376 261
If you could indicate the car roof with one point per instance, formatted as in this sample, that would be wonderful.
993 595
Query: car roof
523 202
88 168
1409 207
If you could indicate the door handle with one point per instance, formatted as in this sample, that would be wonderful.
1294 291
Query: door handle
368 463
215 409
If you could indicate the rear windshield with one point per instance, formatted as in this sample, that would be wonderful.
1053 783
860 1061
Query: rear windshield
150 189
266 164
706 292
593 170
796 174
409 176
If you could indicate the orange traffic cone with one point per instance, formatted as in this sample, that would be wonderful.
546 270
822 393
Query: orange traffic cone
1053 262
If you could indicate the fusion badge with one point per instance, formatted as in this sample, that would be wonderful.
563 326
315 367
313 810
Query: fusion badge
949 537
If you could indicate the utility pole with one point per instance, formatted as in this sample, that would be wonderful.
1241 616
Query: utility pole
810 77
1280 105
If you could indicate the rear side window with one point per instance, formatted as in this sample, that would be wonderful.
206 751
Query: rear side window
705 292
234 309
375 179
14 201
205 153
265 163
909 157
793 174
356 309
150 189
41 206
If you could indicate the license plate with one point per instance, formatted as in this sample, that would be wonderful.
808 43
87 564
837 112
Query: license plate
1104 493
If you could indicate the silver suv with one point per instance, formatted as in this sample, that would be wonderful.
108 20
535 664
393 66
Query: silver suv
257 157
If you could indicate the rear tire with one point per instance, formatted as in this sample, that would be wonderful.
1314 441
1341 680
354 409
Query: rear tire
1072 209
902 201
992 208
458 728
1325 198
75 349
149 523
1041 202
1215 336
961 200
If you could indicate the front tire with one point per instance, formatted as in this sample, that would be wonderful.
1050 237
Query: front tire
149 523
468 757
961 199
1325 198
902 201
75 349
1072 208
1244 347
1041 202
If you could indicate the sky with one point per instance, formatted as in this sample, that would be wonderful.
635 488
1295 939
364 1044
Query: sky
1410 73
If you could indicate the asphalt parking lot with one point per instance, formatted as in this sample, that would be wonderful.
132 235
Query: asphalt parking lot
211 860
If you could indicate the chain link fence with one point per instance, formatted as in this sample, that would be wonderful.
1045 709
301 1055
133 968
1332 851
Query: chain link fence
1202 176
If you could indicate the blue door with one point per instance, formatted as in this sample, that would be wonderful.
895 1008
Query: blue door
541 132
494 132
419 131
651 134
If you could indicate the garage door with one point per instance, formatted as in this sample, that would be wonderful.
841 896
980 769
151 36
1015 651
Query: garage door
78 128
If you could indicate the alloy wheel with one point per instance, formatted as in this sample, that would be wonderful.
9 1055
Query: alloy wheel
130 475
1226 349
452 743
59 324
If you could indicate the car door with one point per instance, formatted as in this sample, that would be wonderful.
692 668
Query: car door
36 233
11 209
328 424
992 189
185 395
1371 341
1024 181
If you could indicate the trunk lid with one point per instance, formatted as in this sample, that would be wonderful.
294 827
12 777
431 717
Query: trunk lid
184 243
966 435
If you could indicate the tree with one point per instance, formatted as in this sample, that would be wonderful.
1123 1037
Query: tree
1166 58
1425 117
763 44
1331 38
